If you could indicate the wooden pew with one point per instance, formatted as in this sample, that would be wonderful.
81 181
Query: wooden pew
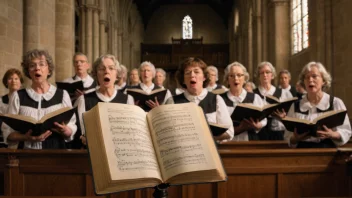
252 172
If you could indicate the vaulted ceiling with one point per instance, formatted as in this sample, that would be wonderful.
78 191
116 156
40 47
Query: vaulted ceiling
147 7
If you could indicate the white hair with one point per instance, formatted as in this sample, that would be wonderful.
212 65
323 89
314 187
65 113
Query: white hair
147 63
213 68
161 71
261 65
325 75
237 64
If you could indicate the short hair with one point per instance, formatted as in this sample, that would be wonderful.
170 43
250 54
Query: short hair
36 53
100 60
9 73
147 63
325 75
123 71
261 65
79 54
161 71
285 71
251 84
213 68
228 68
191 61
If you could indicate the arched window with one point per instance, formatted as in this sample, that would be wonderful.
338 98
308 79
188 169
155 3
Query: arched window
187 28
300 32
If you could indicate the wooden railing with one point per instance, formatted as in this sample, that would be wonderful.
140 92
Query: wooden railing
263 169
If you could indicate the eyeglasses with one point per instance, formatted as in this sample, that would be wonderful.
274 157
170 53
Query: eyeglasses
236 75
265 72
110 68
314 76
33 66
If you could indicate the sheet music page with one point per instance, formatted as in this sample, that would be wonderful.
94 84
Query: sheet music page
128 143
179 139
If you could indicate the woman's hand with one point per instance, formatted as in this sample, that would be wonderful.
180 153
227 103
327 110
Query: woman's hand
279 114
152 104
254 124
328 134
63 129
298 137
39 138
83 139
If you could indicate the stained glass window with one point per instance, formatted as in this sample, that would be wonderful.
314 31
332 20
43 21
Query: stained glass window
299 30
187 28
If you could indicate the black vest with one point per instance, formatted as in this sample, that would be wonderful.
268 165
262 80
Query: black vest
93 85
277 92
208 104
248 99
331 102
55 140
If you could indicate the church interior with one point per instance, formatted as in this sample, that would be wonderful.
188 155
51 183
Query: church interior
287 33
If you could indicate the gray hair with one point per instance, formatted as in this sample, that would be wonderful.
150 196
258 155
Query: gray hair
147 63
213 68
123 72
325 75
228 68
161 71
285 71
261 65
251 84
79 54
100 60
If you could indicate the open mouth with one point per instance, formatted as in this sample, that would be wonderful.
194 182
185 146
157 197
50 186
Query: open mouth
106 79
236 84
37 75
193 82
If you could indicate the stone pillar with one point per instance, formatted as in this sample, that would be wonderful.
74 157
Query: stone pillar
82 24
39 27
102 25
281 33
89 33
257 34
64 39
119 44
96 46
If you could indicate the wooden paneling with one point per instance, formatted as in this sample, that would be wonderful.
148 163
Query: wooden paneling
252 171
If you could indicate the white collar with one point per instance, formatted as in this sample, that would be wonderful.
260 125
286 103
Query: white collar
38 97
120 87
239 98
324 103
145 87
264 92
193 98
106 98
286 89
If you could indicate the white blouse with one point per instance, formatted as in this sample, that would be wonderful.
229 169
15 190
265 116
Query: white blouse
344 130
39 112
276 125
238 99
81 105
87 82
220 116
150 89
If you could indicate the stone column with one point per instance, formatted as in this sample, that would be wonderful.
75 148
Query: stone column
257 34
82 24
281 33
102 25
64 39
89 33
39 27
96 46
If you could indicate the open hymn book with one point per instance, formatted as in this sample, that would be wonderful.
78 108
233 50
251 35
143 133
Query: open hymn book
130 149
